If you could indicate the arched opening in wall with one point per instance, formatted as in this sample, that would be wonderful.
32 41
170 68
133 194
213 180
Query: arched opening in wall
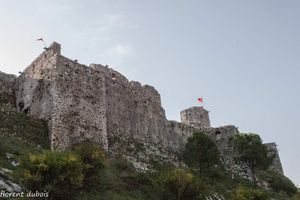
218 135
26 110
113 76
21 105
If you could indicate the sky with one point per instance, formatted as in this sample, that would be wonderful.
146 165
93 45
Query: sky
242 57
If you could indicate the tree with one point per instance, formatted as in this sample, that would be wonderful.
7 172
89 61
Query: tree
252 152
201 152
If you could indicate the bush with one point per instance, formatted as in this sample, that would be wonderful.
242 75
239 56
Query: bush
280 183
201 153
246 193
58 173
252 151
179 184
93 159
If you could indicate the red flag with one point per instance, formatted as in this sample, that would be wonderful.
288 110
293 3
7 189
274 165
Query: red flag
200 99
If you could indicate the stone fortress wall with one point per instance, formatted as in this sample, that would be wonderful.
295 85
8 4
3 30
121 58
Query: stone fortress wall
7 89
124 117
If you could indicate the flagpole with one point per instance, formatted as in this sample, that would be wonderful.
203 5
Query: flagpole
44 43
41 39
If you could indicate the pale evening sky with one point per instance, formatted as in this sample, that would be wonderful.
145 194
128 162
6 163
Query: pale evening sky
242 57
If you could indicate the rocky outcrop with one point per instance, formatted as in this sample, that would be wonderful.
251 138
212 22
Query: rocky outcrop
6 182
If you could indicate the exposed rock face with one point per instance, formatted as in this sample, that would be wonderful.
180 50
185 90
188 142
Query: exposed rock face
99 104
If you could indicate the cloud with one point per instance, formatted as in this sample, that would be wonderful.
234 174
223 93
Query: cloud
104 41
121 50
117 54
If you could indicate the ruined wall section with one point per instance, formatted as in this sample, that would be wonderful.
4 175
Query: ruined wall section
276 165
178 134
80 105
7 87
70 96
35 85
132 110
222 136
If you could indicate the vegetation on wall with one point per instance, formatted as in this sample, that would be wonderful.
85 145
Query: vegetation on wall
252 152
201 153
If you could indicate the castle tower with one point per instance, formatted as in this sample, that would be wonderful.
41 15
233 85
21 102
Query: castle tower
195 116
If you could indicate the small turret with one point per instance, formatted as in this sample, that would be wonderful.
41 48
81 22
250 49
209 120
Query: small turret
195 116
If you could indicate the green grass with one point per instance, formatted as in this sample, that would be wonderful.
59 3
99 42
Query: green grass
19 125
19 134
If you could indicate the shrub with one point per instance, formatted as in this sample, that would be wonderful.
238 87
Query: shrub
58 173
247 193
93 159
201 153
280 183
252 151
179 184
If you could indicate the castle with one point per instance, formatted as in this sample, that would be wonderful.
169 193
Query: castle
124 117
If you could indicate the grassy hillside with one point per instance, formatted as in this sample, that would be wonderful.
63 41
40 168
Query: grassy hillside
19 134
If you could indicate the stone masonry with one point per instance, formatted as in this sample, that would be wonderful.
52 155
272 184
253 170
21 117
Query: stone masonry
195 116
124 117
276 166
7 88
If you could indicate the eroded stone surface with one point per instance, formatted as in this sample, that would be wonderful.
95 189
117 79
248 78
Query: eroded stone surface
6 182
7 87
